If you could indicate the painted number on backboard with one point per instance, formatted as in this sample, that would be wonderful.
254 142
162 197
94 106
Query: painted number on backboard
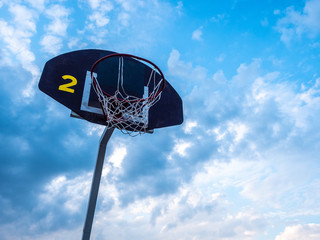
67 86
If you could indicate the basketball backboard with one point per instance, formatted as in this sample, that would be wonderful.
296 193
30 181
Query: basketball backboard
67 79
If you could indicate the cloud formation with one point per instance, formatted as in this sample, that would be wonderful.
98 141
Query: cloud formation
16 36
56 30
295 232
295 24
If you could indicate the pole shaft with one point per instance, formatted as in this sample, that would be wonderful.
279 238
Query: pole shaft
96 183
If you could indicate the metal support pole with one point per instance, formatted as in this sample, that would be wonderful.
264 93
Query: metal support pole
96 183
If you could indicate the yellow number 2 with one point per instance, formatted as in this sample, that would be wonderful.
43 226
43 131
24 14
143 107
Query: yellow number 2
66 87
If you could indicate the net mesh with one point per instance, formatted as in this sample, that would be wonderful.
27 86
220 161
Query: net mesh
127 112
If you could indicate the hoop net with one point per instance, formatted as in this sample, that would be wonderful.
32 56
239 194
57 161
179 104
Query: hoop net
124 111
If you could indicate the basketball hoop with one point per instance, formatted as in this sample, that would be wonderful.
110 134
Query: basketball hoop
125 111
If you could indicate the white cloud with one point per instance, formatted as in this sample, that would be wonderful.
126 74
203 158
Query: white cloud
14 231
130 5
77 43
204 206
271 112
51 44
117 156
219 78
17 38
101 5
56 30
296 23
196 207
59 20
301 232
70 193
197 34
92 129
189 126
238 129
229 135
94 4
257 121
269 180
5 58
181 147
139 22
244 225
99 19
250 113
23 17
38 4
185 71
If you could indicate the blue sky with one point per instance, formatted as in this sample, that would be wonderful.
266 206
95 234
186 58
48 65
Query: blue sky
245 162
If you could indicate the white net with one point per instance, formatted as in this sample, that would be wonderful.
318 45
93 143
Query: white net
127 112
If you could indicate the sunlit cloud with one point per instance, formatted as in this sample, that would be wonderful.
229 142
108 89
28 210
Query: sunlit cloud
295 232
